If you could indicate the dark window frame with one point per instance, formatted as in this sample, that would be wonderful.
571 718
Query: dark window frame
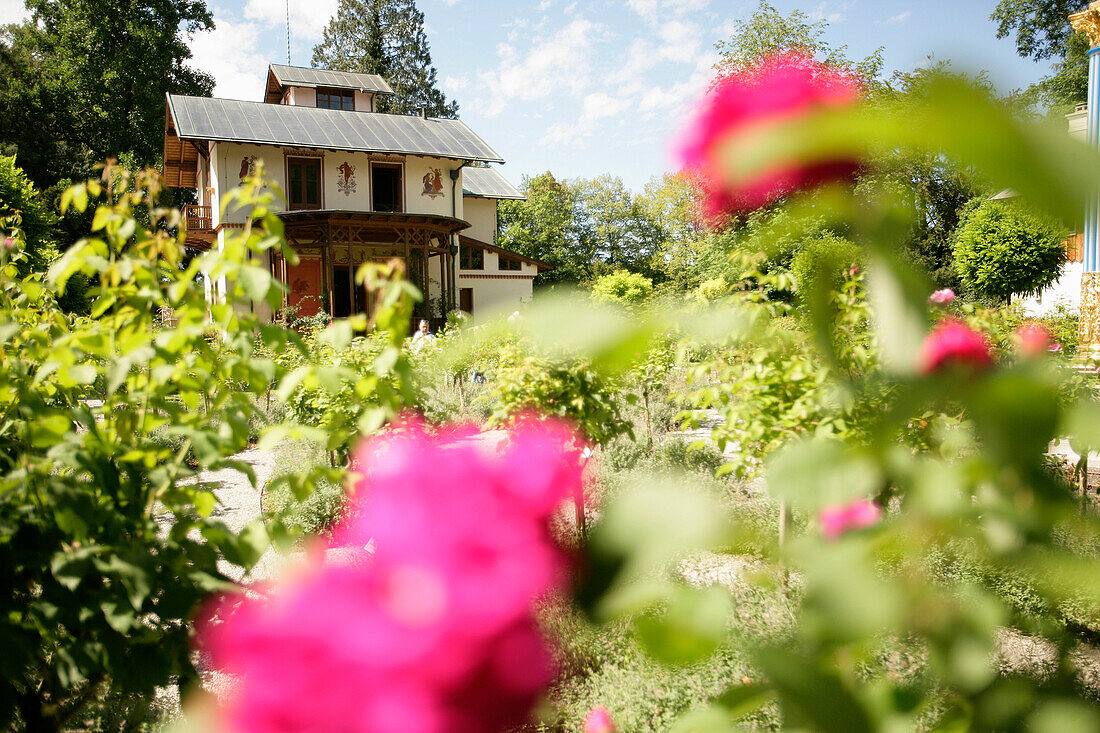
344 99
511 264
291 193
471 258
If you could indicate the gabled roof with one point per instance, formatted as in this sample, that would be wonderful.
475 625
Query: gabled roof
486 183
202 118
280 76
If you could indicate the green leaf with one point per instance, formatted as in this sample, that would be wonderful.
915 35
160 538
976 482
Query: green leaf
811 697
690 629
820 472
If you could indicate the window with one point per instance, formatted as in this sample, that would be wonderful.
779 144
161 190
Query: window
508 263
303 183
385 184
471 258
343 99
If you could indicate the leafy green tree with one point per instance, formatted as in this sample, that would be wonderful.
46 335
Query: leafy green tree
385 37
615 225
1042 31
1003 249
84 80
767 31
827 259
544 226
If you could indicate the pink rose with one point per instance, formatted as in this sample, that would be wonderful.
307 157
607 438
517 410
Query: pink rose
942 297
782 87
836 520
434 631
1033 340
599 720
953 342
1054 348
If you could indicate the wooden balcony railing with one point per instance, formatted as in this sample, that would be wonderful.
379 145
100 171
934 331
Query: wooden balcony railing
198 218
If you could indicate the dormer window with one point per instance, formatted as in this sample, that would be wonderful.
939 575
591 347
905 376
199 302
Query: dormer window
342 99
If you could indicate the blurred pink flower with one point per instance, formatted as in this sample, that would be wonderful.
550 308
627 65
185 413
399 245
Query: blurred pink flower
836 520
599 720
1033 340
435 631
942 297
1054 348
953 342
9 243
782 87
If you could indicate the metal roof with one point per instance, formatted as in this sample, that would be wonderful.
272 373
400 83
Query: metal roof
300 76
487 183
202 118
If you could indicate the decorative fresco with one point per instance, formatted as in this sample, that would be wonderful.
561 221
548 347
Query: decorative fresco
248 166
345 182
433 183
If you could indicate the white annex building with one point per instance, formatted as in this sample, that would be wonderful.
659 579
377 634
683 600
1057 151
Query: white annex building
360 186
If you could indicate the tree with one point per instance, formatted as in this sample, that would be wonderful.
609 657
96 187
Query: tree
1003 249
544 226
767 31
615 225
1043 32
85 80
385 37
939 187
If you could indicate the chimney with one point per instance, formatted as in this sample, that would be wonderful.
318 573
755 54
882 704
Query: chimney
423 112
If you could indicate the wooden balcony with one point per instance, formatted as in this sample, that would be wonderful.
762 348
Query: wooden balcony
200 225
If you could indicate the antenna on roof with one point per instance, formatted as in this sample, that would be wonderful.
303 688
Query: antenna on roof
288 32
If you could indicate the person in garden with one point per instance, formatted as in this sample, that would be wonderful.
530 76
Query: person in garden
423 337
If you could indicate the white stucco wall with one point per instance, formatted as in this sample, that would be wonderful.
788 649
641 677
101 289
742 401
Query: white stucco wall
1067 290
495 290
364 102
301 96
228 157
482 215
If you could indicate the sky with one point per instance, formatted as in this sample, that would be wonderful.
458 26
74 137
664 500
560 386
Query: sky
604 86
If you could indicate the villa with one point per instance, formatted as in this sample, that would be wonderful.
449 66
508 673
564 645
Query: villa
360 186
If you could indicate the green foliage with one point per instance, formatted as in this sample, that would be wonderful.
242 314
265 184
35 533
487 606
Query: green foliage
553 386
896 619
84 81
38 224
543 226
97 595
348 385
768 31
623 287
385 37
1003 250
828 260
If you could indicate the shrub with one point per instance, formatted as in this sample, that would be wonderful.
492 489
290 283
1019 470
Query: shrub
95 595
825 260
1003 249
627 288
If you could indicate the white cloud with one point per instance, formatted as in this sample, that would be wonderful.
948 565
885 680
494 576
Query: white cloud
229 54
655 12
452 84
13 11
308 18
832 12
600 105
559 63
679 41
899 18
